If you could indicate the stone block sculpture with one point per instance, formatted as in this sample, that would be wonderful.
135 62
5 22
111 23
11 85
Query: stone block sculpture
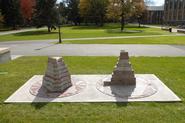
57 77
123 73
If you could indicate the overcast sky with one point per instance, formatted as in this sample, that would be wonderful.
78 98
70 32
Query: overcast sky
157 2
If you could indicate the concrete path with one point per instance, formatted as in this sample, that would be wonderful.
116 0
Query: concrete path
49 49
94 38
159 27
18 31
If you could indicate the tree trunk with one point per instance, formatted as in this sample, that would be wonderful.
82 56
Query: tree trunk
49 29
122 23
101 21
139 22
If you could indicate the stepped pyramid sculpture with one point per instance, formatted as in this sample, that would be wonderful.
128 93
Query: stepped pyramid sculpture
123 73
57 78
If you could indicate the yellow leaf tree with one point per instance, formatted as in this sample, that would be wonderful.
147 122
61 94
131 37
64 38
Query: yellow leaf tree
120 10
139 10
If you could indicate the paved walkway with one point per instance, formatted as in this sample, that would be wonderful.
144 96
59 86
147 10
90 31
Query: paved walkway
159 27
18 31
49 49
94 38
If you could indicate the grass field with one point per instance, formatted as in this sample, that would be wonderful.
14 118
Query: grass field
177 40
169 69
108 30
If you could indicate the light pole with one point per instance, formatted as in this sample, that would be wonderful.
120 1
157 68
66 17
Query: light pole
59 33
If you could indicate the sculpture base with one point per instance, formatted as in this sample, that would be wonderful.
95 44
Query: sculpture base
37 89
142 88
93 92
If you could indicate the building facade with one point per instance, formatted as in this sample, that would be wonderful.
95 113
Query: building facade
174 12
154 15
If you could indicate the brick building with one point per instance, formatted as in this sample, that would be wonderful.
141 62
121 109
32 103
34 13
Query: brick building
174 12
154 15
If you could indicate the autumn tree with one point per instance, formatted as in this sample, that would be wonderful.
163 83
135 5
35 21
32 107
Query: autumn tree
46 14
1 17
84 6
139 10
27 9
113 12
11 13
122 10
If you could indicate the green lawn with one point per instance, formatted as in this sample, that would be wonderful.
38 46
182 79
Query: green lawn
178 40
169 69
108 30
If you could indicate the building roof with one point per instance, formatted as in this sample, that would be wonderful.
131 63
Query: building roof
155 8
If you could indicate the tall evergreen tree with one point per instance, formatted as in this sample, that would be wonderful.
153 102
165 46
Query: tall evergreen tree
11 13
46 14
97 11
73 11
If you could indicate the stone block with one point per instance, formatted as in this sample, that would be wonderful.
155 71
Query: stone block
123 73
5 55
57 77
124 55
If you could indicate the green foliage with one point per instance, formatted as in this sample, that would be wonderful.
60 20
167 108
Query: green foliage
63 11
45 13
73 12
93 11
11 13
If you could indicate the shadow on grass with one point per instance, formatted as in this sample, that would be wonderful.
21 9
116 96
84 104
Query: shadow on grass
126 31
121 104
30 33
107 26
38 105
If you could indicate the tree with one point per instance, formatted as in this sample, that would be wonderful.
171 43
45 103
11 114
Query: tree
93 10
84 6
139 10
97 11
73 11
1 17
11 13
27 9
46 14
63 11
113 12
122 10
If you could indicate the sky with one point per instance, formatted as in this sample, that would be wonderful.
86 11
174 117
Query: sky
156 2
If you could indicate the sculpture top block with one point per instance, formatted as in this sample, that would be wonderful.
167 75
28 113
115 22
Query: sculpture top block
124 55
123 73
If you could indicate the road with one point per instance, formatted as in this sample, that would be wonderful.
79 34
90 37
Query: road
50 49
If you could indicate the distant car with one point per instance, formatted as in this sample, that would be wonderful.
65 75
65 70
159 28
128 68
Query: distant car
181 26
